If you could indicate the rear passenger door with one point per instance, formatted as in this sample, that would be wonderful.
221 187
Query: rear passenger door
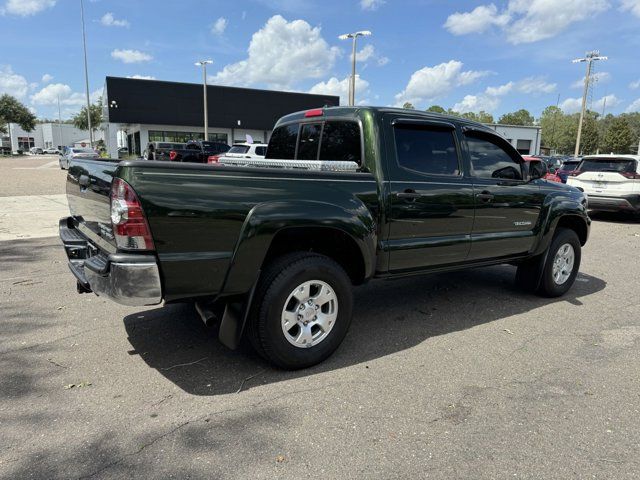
431 200
507 204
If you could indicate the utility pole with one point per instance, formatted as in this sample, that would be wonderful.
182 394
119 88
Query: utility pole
352 79
203 64
86 75
589 58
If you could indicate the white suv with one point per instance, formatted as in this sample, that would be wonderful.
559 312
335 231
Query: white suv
612 182
247 150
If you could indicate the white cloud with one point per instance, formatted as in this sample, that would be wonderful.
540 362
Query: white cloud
571 105
12 83
49 96
131 56
430 83
382 61
46 78
599 77
634 85
24 8
333 86
476 21
533 85
108 20
281 54
490 99
366 53
632 6
219 26
371 4
475 103
142 77
633 106
608 101
526 21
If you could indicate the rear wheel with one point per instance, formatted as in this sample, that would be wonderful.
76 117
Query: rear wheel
302 310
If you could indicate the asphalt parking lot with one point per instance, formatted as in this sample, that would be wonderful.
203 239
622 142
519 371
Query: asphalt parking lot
444 376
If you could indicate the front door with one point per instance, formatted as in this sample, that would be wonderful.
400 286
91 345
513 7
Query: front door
431 201
507 205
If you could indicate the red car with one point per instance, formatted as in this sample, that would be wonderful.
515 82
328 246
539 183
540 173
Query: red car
550 175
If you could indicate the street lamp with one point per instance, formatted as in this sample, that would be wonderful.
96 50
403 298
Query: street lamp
352 82
86 75
589 58
203 64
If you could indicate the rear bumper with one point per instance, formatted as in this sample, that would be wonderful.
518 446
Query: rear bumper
128 279
614 204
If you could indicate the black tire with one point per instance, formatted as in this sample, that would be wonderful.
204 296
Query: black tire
548 286
277 282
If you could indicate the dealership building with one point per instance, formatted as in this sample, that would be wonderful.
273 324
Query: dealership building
143 111
44 135
525 139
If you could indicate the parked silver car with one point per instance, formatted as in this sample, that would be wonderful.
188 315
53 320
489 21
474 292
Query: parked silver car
73 152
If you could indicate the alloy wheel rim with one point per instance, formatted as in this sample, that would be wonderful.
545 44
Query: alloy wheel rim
563 263
309 313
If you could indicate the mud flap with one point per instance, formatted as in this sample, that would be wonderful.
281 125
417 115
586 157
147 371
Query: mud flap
235 318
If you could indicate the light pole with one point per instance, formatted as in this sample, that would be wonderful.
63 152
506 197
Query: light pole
86 75
589 58
203 64
352 80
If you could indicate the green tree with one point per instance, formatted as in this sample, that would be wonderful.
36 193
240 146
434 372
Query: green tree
481 116
618 138
520 117
80 119
408 105
13 111
436 109
589 140
551 123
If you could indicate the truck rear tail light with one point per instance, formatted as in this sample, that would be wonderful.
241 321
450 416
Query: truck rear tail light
130 226
213 158
316 112
172 155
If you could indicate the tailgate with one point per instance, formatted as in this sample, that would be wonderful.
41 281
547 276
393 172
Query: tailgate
88 190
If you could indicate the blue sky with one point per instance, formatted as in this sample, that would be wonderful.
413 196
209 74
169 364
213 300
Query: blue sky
469 55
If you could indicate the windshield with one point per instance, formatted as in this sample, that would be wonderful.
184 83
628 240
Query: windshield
567 165
607 165
239 149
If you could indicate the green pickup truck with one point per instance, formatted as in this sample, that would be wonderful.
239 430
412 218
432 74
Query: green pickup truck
271 252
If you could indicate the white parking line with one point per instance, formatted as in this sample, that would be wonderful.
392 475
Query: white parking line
31 216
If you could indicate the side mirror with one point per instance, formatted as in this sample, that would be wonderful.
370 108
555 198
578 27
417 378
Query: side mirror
536 170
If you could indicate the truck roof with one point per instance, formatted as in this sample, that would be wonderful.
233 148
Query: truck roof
356 111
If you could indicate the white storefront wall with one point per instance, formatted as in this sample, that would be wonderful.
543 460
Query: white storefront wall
49 135
521 137
233 135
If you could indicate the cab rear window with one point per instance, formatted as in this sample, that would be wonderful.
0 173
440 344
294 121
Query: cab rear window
332 140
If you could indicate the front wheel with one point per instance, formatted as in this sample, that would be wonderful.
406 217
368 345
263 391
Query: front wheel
561 265
302 310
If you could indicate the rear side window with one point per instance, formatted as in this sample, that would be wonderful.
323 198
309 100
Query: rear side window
309 141
282 144
261 151
621 165
341 142
427 150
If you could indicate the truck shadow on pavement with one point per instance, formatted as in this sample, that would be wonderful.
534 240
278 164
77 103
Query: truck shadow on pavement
389 317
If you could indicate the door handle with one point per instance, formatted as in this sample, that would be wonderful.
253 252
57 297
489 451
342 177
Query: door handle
408 194
484 196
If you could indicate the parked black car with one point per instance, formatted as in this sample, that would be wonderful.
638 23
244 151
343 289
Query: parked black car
160 150
198 151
